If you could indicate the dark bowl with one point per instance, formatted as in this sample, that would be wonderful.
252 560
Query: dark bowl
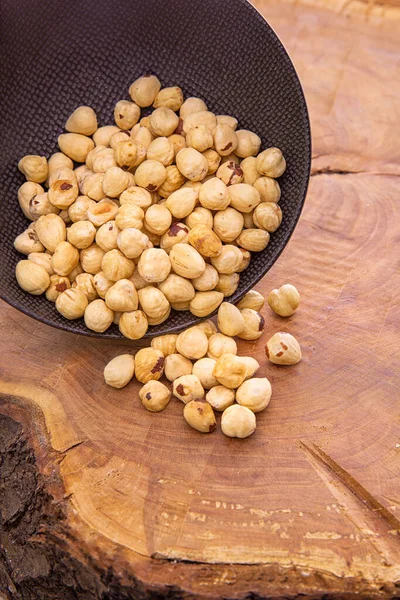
55 56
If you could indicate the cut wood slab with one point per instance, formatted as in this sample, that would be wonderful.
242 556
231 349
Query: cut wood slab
101 499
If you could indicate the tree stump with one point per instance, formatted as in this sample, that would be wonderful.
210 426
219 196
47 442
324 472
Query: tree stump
101 499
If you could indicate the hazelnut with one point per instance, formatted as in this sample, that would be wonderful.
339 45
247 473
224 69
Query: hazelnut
78 210
136 195
40 205
27 192
192 164
98 316
103 135
57 286
28 241
34 168
176 365
213 159
284 301
192 343
251 364
32 277
92 258
246 259
200 415
149 364
154 265
228 284
153 302
238 421
119 371
102 159
227 120
228 224
188 388
122 296
102 212
254 393
161 150
150 175
132 242
208 327
200 216
229 371
126 114
268 189
250 173
202 117
220 344
57 161
107 236
186 261
63 192
163 121
65 258
178 142
72 304
254 240
173 181
230 320
144 90
199 138
116 266
225 140
154 238
207 280
220 397
230 173
268 216
248 143
102 284
133 325
283 349
129 154
83 120
155 396
228 261
204 303
206 242
243 197
42 259
81 234
142 135
75 272
203 368
158 219
85 283
271 162
64 173
75 146
120 136
192 105
170 97
253 300
115 181
178 233
214 194
254 324
177 289
182 202
165 343
180 306
129 216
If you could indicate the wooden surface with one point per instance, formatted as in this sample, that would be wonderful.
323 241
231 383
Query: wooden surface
116 497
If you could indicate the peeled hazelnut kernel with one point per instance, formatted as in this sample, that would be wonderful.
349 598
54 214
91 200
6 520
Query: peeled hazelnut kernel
129 154
246 259
230 371
204 303
144 90
283 349
228 261
254 240
161 150
129 216
27 241
102 284
158 219
85 283
75 272
62 193
238 421
155 396
193 185
149 364
170 97
132 242
271 162
103 159
34 168
102 212
253 300
163 121
150 175
192 164
40 205
83 120
220 397
206 242
186 261
220 344
120 136
254 394
154 265
91 259
81 234
207 280
136 195
225 139
192 105
228 284
98 316
72 304
230 173
57 161
178 233
268 216
116 266
65 216
192 343
285 300
214 194
199 138
254 324
80 172
75 146
103 135
251 364
107 236
126 114
205 117
200 216
65 258
181 202
42 259
248 143
173 181
203 368
250 173
176 365
154 238
268 189
188 388
57 286
230 320
208 327
115 181
142 135
228 224
139 282
177 289
243 197
213 159
122 296
165 343
153 302
133 325
178 142
27 192
78 210
119 371
200 415
180 306
227 120
32 277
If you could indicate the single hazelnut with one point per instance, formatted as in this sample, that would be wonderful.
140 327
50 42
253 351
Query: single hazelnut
42 259
144 90
254 240
200 415
149 364
170 97
186 261
133 324
102 284
285 300
268 188
85 283
220 397
229 371
192 105
27 192
115 181
243 197
238 421
163 121
230 173
202 117
102 212
153 303
91 259
207 281
65 258
228 284
220 344
34 168
103 135
81 234
28 241
116 266
188 388
126 114
177 289
214 194
173 181
31 277
129 216
107 236
200 216
165 343
225 139
203 368
182 202
192 343
178 233
253 300
75 146
83 120
267 216
206 242
78 210
228 224
283 349
136 195
150 175
199 138
122 296
58 285
192 164
250 173
230 320
98 316
132 242
254 325
228 261
72 303
248 143
255 394
119 371
271 163
176 365
40 205
155 396
154 265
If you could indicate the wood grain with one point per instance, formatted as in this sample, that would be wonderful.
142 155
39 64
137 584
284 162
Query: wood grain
310 504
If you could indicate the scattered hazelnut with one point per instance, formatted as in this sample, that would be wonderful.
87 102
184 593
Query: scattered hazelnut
229 371
98 316
220 397
75 146
176 365
203 368
188 388
230 320
200 415
155 396
72 303
119 371
238 421
83 120
149 364
271 162
253 300
285 300
133 325
32 277
34 168
220 344
283 349
254 393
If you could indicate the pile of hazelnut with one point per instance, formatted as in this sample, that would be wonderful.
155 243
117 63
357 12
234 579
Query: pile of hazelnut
164 211
204 369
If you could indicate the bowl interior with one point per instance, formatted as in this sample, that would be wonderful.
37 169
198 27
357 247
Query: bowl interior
55 56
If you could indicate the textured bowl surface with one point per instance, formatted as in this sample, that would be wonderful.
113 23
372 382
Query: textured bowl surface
55 57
